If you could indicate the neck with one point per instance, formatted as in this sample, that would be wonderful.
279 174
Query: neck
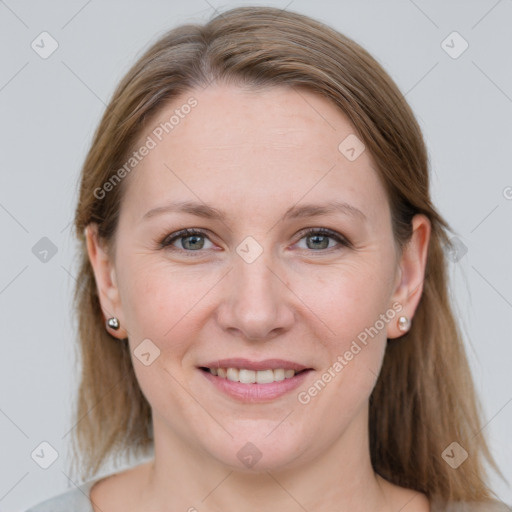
340 478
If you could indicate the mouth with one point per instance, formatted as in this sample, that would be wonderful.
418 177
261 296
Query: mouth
251 381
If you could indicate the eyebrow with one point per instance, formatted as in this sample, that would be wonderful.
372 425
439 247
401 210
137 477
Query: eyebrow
306 210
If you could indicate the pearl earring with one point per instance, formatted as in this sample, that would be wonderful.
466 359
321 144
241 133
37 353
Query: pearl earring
404 323
113 323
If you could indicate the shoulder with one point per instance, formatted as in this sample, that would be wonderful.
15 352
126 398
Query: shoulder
76 500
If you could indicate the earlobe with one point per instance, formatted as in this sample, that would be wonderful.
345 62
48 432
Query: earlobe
412 265
104 274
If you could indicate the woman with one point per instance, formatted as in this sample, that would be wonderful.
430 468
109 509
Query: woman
262 296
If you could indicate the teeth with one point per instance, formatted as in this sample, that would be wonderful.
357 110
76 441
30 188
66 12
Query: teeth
264 376
232 374
247 376
279 374
252 376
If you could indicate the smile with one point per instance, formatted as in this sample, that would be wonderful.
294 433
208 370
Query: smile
255 382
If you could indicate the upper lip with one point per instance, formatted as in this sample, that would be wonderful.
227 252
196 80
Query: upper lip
266 364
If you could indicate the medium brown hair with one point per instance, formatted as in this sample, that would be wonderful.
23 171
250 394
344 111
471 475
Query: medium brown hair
424 398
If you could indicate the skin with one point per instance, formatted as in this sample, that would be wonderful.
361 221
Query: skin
254 154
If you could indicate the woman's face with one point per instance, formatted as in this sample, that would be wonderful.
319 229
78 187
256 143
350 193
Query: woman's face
252 172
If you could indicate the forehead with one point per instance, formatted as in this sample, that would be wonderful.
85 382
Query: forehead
240 147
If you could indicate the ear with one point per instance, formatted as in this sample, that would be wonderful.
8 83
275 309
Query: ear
411 272
105 276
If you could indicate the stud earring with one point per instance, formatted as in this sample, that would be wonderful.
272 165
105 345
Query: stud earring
113 323
404 323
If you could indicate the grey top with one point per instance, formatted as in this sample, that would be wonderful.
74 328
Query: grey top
471 506
77 500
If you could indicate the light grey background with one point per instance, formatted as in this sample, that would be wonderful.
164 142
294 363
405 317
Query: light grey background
50 107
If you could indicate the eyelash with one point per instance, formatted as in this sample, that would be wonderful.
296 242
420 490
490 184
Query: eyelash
166 242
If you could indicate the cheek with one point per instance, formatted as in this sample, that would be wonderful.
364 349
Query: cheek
353 354
353 304
348 298
164 304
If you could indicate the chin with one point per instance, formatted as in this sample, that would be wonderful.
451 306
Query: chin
253 453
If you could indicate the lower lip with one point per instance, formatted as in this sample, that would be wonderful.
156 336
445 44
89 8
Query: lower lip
256 392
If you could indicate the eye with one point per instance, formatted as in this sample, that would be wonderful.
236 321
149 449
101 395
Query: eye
190 240
320 238
194 240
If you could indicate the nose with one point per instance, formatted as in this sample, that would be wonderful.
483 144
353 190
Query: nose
257 303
